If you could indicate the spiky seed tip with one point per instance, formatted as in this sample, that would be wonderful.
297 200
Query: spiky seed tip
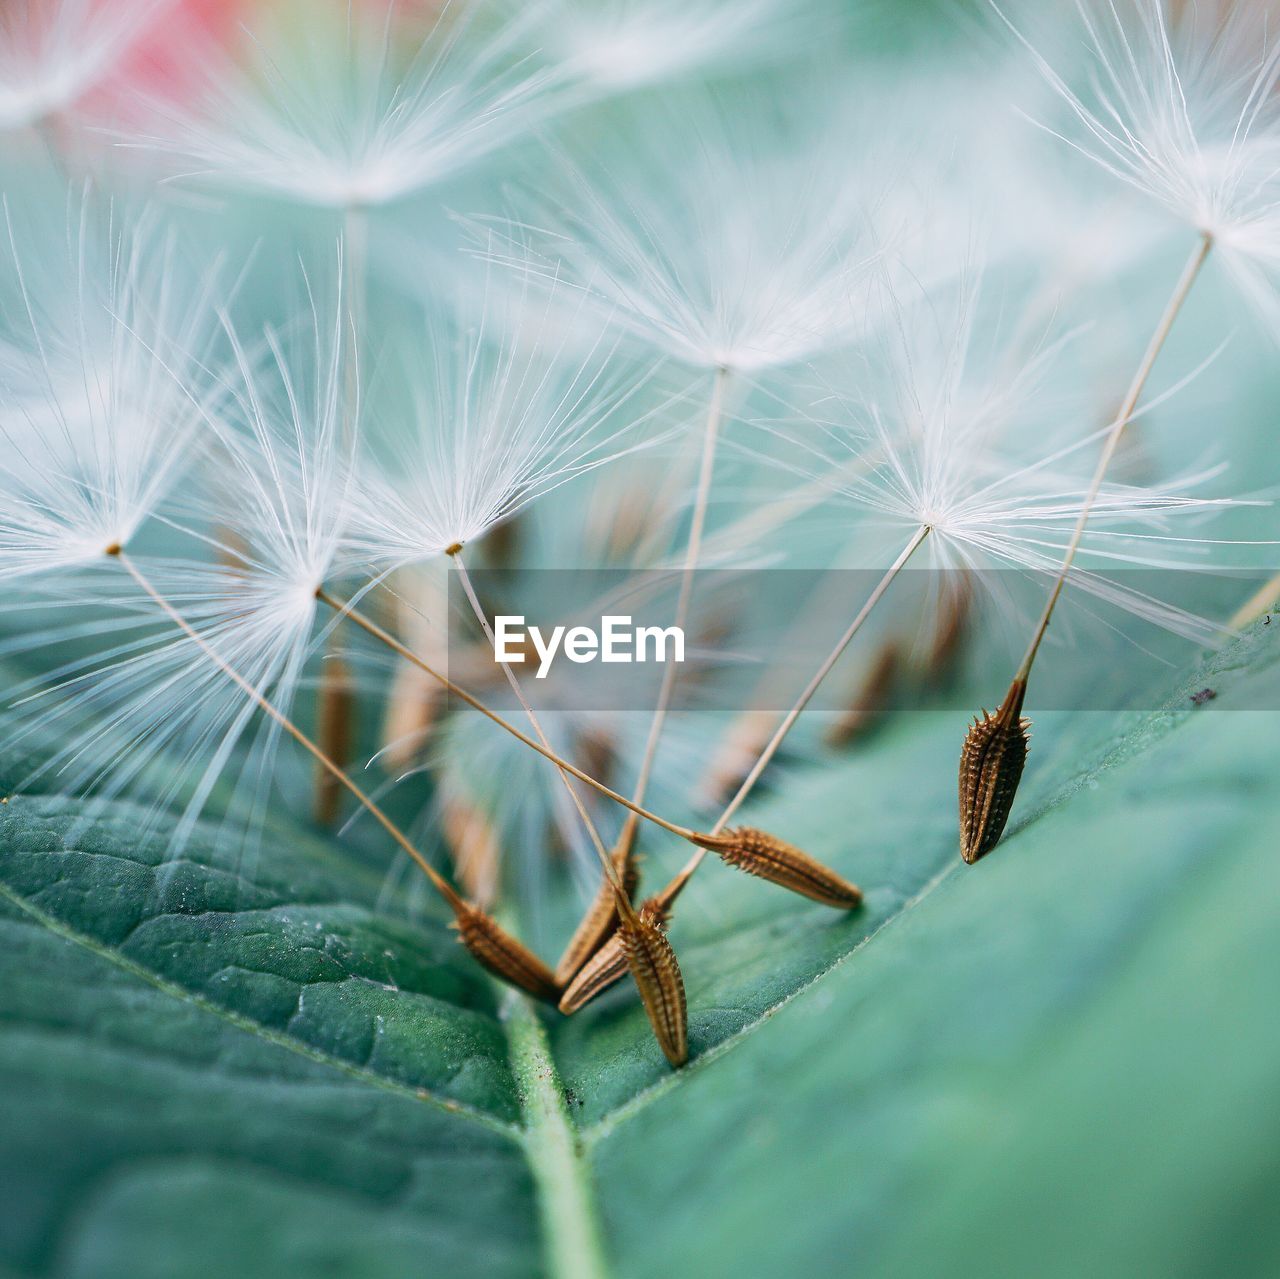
609 963
764 855
657 977
495 949
600 920
991 764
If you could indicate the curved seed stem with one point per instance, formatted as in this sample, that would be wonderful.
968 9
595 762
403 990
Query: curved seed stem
1176 301
788 720
597 843
370 627
441 885
693 551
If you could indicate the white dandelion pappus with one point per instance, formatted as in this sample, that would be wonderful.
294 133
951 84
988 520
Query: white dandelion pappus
501 414
53 52
102 389
612 46
334 111
1185 110
965 442
267 508
743 256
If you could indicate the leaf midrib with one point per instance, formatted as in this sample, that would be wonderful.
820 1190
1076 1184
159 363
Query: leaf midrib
555 1150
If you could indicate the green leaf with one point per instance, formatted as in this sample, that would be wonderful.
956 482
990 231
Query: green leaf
1055 1062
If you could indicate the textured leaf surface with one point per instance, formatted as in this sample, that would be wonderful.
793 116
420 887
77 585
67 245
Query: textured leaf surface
1051 1063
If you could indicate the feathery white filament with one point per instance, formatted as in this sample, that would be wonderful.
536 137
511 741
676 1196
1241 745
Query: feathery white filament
499 415
339 113
618 45
102 393
743 254
52 52
270 502
967 449
1186 111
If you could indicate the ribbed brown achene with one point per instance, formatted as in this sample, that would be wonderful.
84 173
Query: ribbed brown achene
657 977
768 857
991 764
493 947
608 964
600 921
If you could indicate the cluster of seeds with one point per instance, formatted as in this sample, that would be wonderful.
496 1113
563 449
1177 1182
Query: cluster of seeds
631 309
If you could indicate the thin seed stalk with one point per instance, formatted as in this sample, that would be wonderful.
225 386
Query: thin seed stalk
693 552
486 940
995 746
593 834
609 962
649 955
600 919
371 628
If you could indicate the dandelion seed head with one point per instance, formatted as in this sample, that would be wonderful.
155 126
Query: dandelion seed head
280 464
343 114
261 519
745 255
1184 109
52 52
618 45
102 390
501 410
951 428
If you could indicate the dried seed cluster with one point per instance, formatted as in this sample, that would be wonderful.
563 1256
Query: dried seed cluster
609 963
600 920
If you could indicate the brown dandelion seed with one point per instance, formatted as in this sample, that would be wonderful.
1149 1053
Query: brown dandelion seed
764 855
952 623
609 962
495 949
657 977
991 763
601 919
739 748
